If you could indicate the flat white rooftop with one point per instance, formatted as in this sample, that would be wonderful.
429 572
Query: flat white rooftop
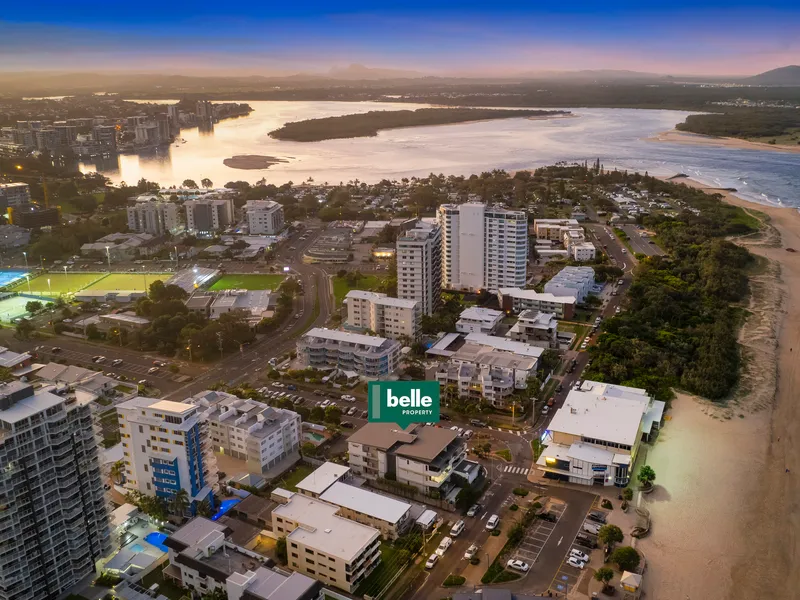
366 502
381 298
534 295
323 477
343 336
501 343
484 315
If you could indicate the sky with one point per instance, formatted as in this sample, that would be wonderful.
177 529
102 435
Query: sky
435 37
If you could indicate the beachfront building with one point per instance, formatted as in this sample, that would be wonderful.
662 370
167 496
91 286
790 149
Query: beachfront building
321 544
208 215
479 320
419 266
483 247
571 281
54 524
367 356
389 317
421 456
150 214
204 557
261 435
594 437
264 217
535 328
517 300
166 447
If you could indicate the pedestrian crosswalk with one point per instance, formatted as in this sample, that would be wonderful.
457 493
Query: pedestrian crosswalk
517 470
517 432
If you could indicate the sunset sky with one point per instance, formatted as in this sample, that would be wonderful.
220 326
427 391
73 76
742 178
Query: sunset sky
468 37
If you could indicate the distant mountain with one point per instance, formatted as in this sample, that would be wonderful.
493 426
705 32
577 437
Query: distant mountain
782 76
356 71
593 75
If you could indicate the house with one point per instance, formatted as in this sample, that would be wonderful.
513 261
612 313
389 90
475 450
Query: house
535 328
479 320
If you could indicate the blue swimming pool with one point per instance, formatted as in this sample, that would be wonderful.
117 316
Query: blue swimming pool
137 548
225 506
156 538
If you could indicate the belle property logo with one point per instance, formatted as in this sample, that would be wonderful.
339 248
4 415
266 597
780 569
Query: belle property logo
403 402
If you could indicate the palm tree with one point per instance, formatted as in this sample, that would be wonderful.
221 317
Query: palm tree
206 182
204 508
117 469
179 502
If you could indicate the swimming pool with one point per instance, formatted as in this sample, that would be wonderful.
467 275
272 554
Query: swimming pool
9 277
156 538
225 506
137 548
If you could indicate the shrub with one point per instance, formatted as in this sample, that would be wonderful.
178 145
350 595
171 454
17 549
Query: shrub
513 507
607 504
627 494
521 492
454 581
474 560
496 532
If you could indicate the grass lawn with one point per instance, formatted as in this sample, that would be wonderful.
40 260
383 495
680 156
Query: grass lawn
383 573
504 453
60 283
137 282
290 481
165 586
248 281
341 287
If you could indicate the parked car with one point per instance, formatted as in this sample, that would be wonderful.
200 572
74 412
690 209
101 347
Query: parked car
582 556
597 516
99 359
144 382
347 424
548 516
477 423
364 414
585 540
152 370
492 523
444 545
468 433
116 361
325 403
444 417
352 411
457 528
518 565
432 560
620 282
291 387
545 409
474 510
471 551
348 398
158 363
592 528
574 562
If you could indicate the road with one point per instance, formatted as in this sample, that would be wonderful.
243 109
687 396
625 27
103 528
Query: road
640 244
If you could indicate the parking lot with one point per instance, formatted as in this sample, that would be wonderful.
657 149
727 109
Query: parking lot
567 575
537 536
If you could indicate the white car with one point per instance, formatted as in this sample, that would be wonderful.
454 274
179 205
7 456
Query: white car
432 560
348 398
151 370
518 565
492 523
352 411
325 403
574 562
277 384
581 556
444 545
473 510
471 551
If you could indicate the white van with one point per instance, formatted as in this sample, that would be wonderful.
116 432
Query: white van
456 530
492 523
444 545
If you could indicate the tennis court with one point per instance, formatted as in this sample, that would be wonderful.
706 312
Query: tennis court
8 277
11 308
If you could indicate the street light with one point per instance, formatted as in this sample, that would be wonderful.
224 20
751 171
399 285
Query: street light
25 254
28 279
176 257
49 290
66 276
108 254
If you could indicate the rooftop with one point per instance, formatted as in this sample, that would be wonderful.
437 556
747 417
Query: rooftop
416 441
343 336
534 295
381 298
173 407
366 502
11 359
322 529
476 313
506 345
323 477
26 407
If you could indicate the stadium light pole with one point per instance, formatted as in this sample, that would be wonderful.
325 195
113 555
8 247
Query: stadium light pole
25 254
108 254
49 289
66 276
28 279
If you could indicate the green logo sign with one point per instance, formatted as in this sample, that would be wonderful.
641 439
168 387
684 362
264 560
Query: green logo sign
403 402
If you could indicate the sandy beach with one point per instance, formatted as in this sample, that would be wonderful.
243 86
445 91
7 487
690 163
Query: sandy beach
683 137
725 510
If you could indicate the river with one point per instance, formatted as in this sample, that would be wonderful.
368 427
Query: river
616 136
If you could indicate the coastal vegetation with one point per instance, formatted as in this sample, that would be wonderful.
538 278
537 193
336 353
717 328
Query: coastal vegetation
370 123
773 126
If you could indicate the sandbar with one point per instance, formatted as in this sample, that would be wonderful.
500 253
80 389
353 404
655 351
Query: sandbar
695 139
252 161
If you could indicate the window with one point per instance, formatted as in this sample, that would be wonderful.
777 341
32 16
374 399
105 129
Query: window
294 545
294 555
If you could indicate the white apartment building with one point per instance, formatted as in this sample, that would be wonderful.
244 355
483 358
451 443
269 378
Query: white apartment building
583 251
323 477
54 523
368 356
594 438
206 215
264 217
553 229
166 447
572 281
332 549
154 216
535 328
389 317
517 300
389 516
419 266
203 558
255 432
479 320
421 456
15 194
483 247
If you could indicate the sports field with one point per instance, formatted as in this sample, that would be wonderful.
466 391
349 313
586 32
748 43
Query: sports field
248 281
14 307
60 283
7 277
133 282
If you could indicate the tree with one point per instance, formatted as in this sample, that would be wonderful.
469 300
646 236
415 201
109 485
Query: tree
204 508
626 558
280 550
216 594
206 182
179 502
610 535
33 306
604 575
333 415
317 414
92 332
117 471
24 329
647 476
189 183
308 449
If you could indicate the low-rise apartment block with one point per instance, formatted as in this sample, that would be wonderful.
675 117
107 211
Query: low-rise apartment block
14 195
553 229
203 558
332 549
257 433
575 281
535 328
421 456
322 478
264 217
583 251
594 438
368 356
150 214
389 317
479 320
517 300
166 447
